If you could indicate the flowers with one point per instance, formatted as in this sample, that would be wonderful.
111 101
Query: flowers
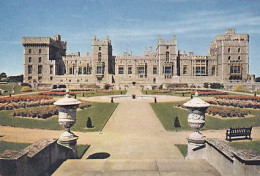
227 111
55 93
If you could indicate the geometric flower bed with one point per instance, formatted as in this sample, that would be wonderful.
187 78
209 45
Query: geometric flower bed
238 97
227 111
42 112
202 92
24 102
235 103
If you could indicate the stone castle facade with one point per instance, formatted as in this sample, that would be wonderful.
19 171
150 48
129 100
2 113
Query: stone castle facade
46 63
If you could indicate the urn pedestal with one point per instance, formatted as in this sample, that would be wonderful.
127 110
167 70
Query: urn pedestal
196 119
67 118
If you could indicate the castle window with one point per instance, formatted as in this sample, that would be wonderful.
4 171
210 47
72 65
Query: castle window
120 70
29 78
85 70
30 51
184 70
29 69
40 51
238 50
213 71
238 58
168 70
40 69
167 47
154 70
99 48
229 57
30 59
99 56
167 56
140 70
40 59
90 70
234 69
71 70
51 69
99 70
129 70
80 70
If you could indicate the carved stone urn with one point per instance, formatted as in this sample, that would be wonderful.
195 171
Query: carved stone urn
196 118
67 118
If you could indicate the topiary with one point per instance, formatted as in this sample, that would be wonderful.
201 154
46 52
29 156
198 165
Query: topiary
26 89
239 88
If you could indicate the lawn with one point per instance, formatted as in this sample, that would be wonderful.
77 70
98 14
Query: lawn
249 145
155 92
183 148
94 93
81 149
99 113
167 113
12 146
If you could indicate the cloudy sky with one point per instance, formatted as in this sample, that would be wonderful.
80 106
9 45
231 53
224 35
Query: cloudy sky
130 24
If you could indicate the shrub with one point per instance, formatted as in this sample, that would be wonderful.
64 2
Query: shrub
26 89
239 88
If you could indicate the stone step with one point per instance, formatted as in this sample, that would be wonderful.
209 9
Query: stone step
140 167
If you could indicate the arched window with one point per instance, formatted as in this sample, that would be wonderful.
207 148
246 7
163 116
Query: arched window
40 59
229 50
238 58
238 50
99 56
229 57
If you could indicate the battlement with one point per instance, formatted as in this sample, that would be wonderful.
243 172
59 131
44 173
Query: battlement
55 41
96 41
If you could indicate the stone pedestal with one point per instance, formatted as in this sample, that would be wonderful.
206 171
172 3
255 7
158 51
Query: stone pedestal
69 142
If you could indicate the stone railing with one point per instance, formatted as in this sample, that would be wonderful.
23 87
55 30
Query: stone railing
230 161
40 158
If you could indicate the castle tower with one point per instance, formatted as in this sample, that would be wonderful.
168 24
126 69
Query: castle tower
167 57
43 59
102 60
231 52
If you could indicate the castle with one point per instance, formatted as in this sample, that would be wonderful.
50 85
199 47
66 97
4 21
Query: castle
46 63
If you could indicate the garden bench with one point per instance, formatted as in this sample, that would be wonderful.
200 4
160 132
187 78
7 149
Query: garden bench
238 132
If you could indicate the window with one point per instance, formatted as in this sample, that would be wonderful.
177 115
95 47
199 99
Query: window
51 69
71 70
30 59
238 58
140 70
238 50
99 70
154 70
213 71
167 47
40 60
29 69
229 50
129 70
203 70
184 69
80 70
30 51
229 57
99 48
40 51
90 70
99 56
197 71
39 69
85 70
167 56
120 70
29 78
51 78
234 69
168 70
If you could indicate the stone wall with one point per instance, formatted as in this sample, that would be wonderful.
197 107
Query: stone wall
40 158
228 160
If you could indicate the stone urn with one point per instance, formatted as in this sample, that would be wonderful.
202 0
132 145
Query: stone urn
196 118
67 115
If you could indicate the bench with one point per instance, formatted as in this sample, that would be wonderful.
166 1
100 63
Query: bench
238 132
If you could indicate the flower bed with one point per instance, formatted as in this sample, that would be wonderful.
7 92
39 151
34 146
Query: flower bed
238 97
56 93
212 93
43 112
227 111
22 98
235 103
25 104
82 89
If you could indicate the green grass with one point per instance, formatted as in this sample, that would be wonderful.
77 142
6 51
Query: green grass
93 93
81 149
251 145
99 113
154 92
167 113
12 146
9 86
183 149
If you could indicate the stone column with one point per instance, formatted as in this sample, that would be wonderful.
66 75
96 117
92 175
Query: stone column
196 119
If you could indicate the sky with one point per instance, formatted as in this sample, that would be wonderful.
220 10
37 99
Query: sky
130 24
